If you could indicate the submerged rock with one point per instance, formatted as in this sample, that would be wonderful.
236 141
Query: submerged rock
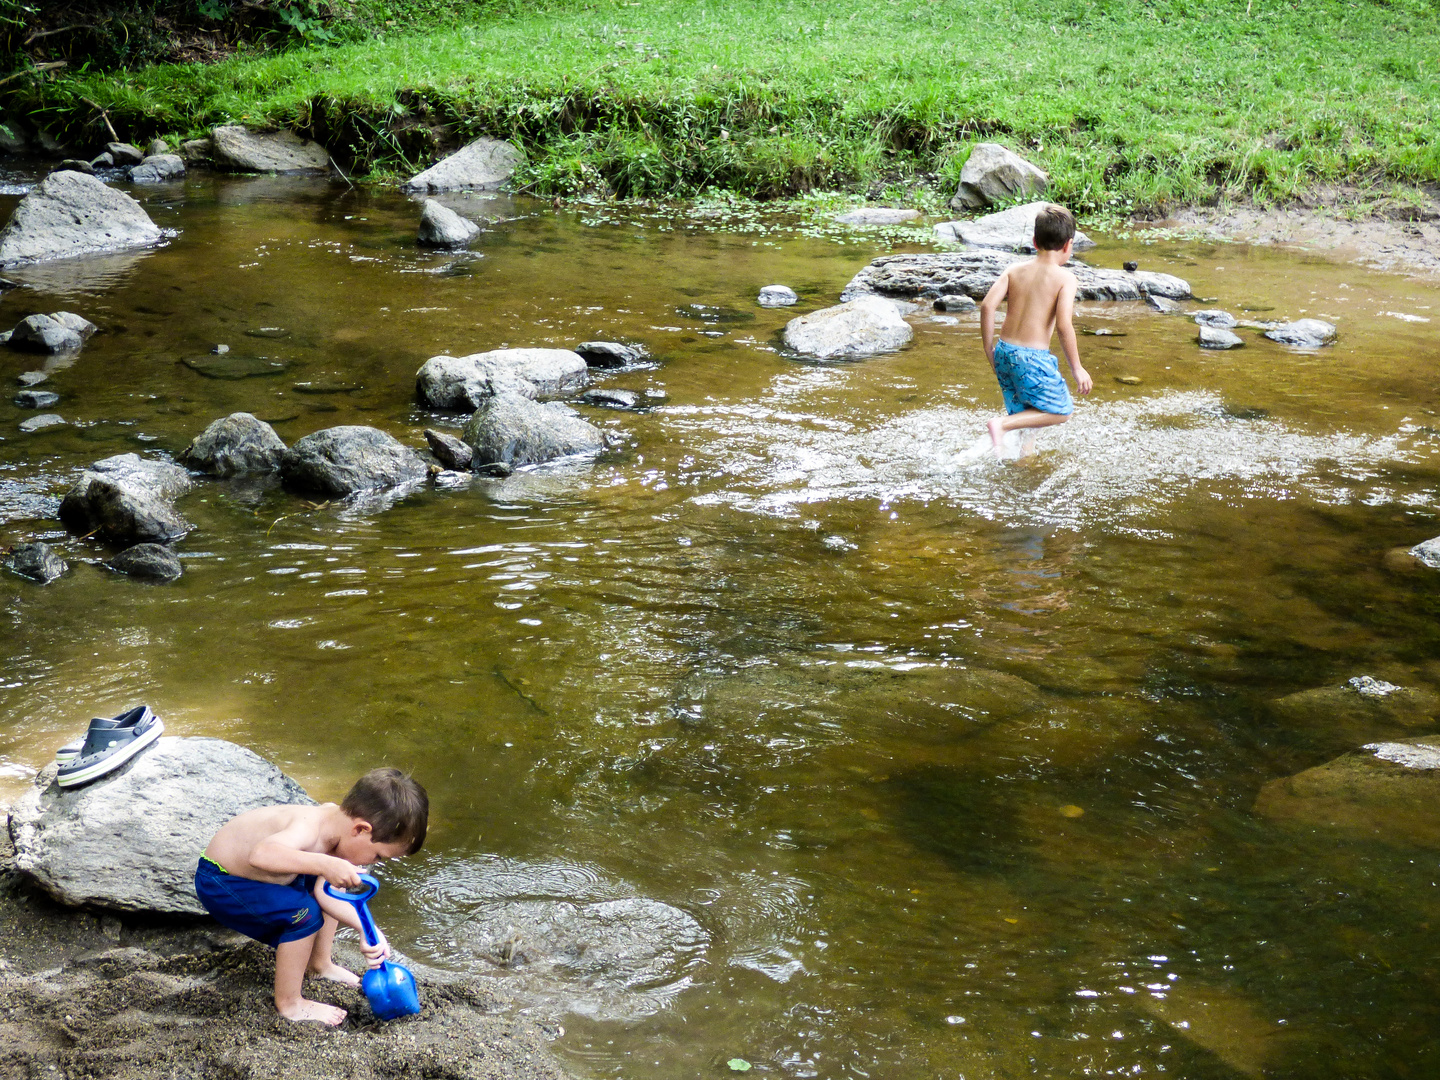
158 169
1007 230
1223 320
609 354
1303 333
1362 708
443 228
777 296
514 430
69 214
1213 337
924 276
464 382
1428 553
41 422
38 562
126 500
342 460
153 561
611 398
238 443
993 173
877 215
448 450
1386 790
483 165
130 840
860 327
236 147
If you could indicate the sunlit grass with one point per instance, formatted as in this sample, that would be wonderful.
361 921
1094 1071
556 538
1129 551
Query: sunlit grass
1121 100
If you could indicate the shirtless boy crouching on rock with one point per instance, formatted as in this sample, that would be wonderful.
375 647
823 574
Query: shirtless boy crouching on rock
263 876
1040 299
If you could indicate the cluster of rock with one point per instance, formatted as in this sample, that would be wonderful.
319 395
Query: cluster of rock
156 167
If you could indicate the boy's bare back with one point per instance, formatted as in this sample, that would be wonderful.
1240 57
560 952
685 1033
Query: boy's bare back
299 828
1037 294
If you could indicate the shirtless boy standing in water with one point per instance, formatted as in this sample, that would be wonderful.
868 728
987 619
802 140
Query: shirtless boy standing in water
1040 299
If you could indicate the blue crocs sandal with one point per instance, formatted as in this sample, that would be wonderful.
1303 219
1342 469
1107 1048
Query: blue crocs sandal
109 744
71 750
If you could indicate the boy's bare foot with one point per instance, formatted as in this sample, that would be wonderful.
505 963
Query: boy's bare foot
305 1009
335 973
997 433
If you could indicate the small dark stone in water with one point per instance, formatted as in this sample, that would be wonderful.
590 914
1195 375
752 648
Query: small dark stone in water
36 399
75 165
272 332
448 450
38 562
1131 266
220 350
153 561
236 367
614 399
322 387
496 469
1245 412
1248 307
322 406
6 283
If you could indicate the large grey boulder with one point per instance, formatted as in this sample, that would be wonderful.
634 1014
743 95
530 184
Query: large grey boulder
238 148
1007 230
482 165
1428 552
514 430
443 228
994 174
44 334
1303 333
1386 790
861 327
152 561
69 214
464 382
38 562
877 215
158 169
340 461
926 276
130 840
127 500
234 444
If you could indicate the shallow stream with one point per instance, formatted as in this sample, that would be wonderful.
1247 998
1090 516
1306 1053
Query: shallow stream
794 729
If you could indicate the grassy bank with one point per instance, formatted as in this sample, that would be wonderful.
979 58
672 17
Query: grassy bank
1143 102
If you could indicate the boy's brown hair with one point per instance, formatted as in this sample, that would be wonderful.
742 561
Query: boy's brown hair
394 804
1054 227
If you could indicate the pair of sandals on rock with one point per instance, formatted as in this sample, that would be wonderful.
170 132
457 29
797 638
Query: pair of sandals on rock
107 745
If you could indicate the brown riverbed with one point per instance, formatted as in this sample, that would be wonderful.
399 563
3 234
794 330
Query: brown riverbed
949 763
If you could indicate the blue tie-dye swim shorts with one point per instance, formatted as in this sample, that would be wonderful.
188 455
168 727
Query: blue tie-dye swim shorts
1030 378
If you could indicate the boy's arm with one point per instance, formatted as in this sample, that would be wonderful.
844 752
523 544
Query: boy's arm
988 307
1065 327
285 852
346 915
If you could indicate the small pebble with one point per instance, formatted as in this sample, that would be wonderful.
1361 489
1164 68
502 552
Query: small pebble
1128 380
220 350
1132 266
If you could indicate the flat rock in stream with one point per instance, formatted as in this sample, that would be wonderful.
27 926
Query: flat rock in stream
442 227
863 326
154 562
1214 337
925 276
235 444
1303 333
236 147
482 165
877 215
515 431
1358 710
69 214
1007 230
126 500
341 461
129 841
37 561
1385 790
465 382
37 399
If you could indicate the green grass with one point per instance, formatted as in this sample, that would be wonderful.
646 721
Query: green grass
1126 103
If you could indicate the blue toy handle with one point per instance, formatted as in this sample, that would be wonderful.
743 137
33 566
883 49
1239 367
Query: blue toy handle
369 887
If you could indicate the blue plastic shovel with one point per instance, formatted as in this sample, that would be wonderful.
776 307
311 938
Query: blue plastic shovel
389 987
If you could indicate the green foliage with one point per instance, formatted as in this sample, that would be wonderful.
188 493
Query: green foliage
1127 103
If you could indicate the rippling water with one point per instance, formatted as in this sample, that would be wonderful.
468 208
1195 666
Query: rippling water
796 728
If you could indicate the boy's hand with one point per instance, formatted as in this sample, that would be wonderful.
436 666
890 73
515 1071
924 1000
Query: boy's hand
1083 382
343 875
376 953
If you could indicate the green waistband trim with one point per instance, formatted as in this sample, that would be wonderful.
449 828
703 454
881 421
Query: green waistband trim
212 862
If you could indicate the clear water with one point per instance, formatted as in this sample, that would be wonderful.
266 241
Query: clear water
764 735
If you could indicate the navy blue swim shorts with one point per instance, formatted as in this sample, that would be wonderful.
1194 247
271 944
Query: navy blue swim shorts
1030 378
272 914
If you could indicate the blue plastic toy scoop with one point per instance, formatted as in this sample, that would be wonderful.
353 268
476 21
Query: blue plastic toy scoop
389 987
